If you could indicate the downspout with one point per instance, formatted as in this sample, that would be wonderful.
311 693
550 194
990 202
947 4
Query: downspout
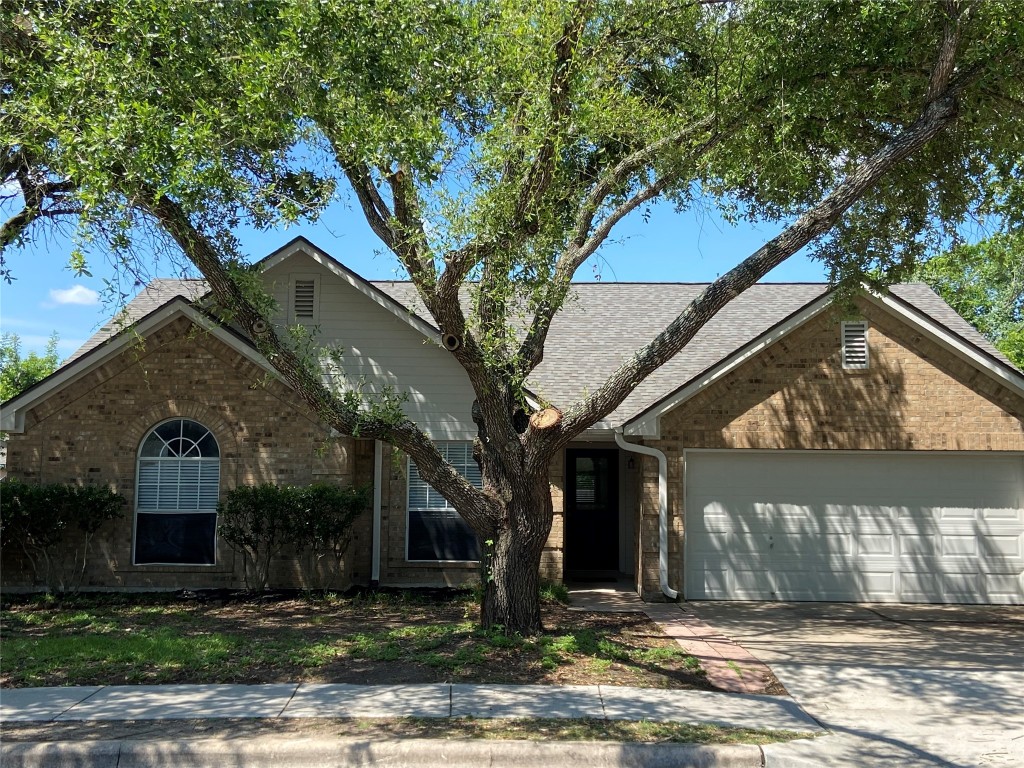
378 477
666 590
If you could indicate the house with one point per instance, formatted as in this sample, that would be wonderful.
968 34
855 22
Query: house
793 451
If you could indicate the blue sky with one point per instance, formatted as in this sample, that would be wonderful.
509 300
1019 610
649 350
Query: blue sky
689 247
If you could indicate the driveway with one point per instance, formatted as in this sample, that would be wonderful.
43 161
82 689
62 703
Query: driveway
898 685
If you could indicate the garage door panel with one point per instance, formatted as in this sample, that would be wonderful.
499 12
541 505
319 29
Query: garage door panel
871 526
1008 547
869 545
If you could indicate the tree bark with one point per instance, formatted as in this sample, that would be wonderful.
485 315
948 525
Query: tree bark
511 567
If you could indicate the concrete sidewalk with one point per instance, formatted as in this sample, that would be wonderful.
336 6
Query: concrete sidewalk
440 700
280 703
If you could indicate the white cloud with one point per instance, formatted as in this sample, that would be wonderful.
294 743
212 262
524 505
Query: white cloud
78 294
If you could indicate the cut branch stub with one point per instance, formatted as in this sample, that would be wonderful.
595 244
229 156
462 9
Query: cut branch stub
546 418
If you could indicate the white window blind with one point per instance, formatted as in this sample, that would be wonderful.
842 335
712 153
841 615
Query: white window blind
177 490
436 531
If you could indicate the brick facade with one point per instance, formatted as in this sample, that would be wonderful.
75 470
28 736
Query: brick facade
91 431
795 395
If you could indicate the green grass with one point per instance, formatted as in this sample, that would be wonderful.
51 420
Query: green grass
109 639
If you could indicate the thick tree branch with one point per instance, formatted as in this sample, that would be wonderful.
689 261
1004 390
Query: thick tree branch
36 192
935 117
612 181
541 171
531 352
376 211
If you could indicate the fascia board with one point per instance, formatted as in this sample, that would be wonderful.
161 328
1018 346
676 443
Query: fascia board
12 417
648 422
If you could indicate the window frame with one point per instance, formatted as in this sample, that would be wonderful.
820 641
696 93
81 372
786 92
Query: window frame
139 458
444 447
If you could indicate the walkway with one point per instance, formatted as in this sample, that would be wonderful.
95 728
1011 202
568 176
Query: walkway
440 700
729 666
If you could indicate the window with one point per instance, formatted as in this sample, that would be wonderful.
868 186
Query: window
177 488
305 299
436 531
855 345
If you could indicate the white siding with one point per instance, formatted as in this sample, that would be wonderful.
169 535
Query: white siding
381 348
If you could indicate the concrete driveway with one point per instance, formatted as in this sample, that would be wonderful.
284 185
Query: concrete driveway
898 685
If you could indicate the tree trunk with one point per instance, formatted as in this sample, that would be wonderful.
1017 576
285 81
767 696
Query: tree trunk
511 600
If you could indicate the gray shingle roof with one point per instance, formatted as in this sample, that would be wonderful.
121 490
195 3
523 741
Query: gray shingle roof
603 323
157 293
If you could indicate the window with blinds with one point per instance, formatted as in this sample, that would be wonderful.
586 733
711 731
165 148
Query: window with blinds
176 494
855 344
436 532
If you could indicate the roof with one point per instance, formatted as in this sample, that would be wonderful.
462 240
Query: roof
603 323
157 293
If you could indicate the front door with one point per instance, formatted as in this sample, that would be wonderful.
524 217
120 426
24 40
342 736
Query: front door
591 513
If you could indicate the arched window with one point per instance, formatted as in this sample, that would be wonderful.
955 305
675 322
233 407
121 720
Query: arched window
177 487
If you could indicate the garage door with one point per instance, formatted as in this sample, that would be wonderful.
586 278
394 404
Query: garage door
923 528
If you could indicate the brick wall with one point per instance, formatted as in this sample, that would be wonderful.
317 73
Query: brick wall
796 395
91 431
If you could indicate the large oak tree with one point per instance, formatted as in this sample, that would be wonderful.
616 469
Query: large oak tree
494 147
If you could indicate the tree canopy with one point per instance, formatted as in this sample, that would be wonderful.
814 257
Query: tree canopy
18 373
493 147
984 283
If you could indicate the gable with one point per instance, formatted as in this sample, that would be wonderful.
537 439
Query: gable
956 338
93 362
796 394
383 345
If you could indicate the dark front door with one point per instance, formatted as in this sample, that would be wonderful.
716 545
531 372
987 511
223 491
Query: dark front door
591 513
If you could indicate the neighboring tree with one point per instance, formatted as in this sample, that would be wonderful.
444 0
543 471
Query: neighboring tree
984 282
17 373
494 147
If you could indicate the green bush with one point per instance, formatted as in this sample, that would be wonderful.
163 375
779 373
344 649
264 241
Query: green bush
39 518
322 528
259 521
255 520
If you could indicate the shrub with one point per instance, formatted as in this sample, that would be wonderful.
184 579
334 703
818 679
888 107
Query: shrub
322 528
39 518
260 521
254 519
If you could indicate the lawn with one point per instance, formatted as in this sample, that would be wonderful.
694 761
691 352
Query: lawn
372 638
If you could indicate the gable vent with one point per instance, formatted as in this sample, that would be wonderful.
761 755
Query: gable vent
304 300
855 344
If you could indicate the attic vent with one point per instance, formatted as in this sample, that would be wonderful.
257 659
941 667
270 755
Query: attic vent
304 300
855 345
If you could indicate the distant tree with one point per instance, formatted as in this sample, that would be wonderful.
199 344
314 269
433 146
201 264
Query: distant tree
985 284
17 373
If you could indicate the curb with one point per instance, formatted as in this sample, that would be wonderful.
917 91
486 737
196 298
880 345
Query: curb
422 753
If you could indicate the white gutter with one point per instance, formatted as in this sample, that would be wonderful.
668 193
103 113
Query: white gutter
666 590
378 476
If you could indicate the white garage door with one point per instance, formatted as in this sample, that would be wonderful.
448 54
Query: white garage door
887 527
